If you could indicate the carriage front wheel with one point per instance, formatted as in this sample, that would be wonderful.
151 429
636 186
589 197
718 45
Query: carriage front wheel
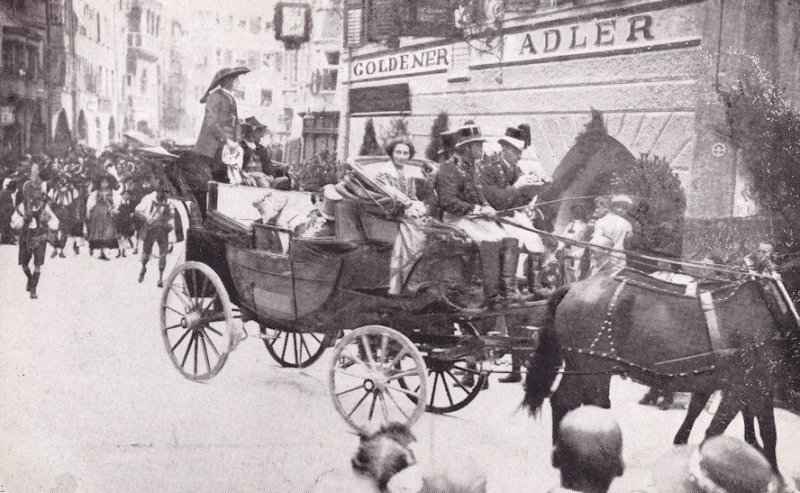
366 368
197 322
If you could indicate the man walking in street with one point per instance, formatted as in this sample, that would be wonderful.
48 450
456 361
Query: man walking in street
157 213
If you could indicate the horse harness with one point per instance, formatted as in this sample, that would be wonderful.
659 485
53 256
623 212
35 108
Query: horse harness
628 277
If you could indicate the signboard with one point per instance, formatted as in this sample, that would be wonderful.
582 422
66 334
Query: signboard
6 116
674 27
292 23
437 59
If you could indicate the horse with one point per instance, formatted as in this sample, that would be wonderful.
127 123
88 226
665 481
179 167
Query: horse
731 336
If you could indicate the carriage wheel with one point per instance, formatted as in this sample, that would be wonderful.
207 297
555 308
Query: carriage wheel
196 321
447 390
294 349
365 373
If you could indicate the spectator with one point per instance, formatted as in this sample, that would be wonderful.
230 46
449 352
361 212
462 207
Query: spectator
760 261
6 210
588 451
720 464
157 213
577 230
615 227
100 210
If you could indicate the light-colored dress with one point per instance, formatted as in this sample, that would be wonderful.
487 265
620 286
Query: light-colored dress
610 231
410 241
100 208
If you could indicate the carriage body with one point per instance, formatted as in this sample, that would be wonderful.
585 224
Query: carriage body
305 292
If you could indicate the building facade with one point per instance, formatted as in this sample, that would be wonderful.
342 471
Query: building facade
657 70
23 91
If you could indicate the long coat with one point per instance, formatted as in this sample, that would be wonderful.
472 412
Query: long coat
219 124
497 184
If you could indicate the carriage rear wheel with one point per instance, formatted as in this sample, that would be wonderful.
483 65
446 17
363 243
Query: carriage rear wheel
295 349
365 373
450 386
197 321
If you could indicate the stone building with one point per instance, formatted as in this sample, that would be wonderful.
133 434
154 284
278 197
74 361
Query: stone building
23 89
656 70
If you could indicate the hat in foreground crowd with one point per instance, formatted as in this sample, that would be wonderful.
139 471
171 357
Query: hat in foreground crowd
588 452
721 464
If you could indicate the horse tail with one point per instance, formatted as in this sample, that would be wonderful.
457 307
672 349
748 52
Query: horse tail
543 368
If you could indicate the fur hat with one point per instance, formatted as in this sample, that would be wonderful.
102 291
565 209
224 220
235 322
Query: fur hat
517 137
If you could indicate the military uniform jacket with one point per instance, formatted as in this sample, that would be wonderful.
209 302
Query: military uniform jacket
497 180
220 123
457 187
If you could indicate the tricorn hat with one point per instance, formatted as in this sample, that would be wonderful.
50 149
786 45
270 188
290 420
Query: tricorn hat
222 75
468 132
517 137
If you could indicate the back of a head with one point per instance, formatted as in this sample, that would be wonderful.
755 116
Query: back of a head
589 446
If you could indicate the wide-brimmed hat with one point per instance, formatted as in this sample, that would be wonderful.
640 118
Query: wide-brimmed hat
329 198
517 137
721 463
468 132
222 75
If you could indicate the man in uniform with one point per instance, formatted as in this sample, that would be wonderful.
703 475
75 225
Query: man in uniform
465 206
220 129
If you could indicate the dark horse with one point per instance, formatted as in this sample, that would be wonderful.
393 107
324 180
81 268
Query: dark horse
732 337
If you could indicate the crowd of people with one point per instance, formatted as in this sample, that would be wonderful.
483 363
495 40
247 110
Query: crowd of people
103 202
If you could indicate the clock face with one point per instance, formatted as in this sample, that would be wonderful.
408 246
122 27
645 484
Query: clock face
294 21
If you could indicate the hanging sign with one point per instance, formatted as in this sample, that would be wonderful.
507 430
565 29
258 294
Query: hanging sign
292 23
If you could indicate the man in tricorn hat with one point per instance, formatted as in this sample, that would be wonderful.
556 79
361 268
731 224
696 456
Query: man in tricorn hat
465 206
220 129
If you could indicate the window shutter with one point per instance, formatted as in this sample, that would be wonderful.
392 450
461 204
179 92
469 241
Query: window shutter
354 23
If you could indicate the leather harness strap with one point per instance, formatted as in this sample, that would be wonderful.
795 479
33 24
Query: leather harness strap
707 305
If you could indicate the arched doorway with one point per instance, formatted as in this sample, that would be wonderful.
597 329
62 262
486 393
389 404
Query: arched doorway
112 130
83 128
62 136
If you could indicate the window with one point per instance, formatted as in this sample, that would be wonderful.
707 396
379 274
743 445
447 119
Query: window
266 97
255 25
252 60
242 23
329 77
143 82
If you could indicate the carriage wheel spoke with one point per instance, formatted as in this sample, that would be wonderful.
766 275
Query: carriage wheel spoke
404 391
349 390
175 311
172 327
285 345
384 346
212 329
179 296
210 303
356 359
213 347
203 290
188 348
304 345
315 337
383 408
402 374
195 354
457 381
397 405
397 358
446 389
367 350
350 414
372 405
185 287
181 339
205 349
296 351
433 392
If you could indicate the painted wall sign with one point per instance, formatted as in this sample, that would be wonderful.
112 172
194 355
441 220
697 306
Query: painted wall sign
409 63
672 27
6 116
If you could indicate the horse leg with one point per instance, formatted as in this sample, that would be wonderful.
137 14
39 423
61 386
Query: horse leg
566 397
729 407
769 435
750 427
696 405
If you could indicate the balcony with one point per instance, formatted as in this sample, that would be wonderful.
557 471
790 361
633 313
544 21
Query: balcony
144 45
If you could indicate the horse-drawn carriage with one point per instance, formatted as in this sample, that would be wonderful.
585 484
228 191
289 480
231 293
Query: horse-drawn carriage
396 356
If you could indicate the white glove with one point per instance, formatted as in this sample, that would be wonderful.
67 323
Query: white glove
416 209
527 181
